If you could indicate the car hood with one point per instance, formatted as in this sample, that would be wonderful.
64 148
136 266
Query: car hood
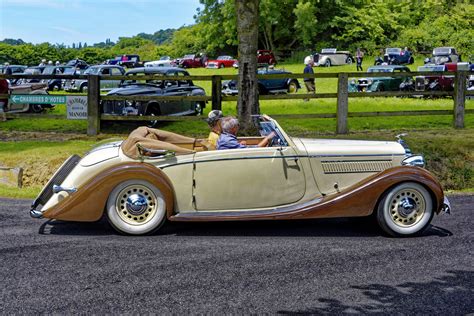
135 90
336 147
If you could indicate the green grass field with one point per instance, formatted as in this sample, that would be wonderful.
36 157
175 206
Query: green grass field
272 107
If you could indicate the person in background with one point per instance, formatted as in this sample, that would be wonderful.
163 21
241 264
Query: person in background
308 69
7 70
50 63
57 63
359 57
228 138
213 120
42 63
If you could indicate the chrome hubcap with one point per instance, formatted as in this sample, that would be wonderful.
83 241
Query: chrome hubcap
407 207
136 204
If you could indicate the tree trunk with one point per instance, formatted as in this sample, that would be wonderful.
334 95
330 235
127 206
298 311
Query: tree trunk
247 34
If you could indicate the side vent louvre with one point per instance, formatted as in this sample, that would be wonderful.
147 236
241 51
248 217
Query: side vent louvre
355 166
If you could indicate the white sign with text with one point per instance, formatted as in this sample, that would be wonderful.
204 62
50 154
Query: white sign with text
76 107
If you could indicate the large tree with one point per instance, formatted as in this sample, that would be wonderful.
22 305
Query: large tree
247 34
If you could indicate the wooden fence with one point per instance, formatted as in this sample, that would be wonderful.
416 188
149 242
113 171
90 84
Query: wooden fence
216 98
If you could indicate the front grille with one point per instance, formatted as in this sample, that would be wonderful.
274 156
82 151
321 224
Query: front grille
57 178
330 167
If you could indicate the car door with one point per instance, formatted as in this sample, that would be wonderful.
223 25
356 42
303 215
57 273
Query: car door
172 88
247 179
105 83
115 72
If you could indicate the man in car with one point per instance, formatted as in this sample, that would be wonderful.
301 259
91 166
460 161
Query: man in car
228 138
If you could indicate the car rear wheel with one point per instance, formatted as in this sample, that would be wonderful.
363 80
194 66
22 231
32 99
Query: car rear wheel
327 63
349 61
405 210
221 66
36 108
136 207
83 88
292 87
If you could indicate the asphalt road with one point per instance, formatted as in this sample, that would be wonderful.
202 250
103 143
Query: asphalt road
342 266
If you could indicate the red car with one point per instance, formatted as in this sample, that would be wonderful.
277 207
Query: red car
263 57
221 62
193 61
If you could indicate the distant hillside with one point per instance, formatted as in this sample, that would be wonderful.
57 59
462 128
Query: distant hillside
159 37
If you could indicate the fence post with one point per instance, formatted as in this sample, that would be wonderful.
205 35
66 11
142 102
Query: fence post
459 98
93 113
342 103
216 92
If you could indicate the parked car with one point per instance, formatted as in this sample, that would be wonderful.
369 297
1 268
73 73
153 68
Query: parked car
264 58
266 86
128 61
33 70
156 176
383 83
443 55
221 62
434 82
80 85
155 87
395 56
27 88
77 63
192 61
55 84
470 86
332 57
12 69
164 61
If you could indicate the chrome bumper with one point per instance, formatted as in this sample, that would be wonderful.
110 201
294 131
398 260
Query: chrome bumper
446 206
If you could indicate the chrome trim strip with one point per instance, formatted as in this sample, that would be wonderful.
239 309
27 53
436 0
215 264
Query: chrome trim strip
273 157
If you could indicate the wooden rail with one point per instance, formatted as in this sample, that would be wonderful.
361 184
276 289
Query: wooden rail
216 98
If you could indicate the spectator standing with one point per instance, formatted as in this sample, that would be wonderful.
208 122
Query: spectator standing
359 58
42 63
308 69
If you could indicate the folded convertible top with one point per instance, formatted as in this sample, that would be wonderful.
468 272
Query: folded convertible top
155 139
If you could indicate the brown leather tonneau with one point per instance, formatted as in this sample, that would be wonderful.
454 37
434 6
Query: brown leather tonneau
156 139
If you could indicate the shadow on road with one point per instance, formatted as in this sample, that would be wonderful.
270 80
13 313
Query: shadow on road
447 295
340 227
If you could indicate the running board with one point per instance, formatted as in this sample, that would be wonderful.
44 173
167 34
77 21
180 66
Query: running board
278 212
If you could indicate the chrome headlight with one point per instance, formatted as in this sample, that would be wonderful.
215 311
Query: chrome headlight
427 81
369 81
415 160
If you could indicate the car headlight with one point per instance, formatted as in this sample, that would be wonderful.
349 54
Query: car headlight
415 160
427 81
369 81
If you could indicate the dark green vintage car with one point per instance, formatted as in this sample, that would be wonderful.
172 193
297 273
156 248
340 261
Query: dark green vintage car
376 84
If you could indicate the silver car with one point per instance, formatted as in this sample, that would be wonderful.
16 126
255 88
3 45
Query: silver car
80 85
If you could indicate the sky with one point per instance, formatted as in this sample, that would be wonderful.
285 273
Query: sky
90 21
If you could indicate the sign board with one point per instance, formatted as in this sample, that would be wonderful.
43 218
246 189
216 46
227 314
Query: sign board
37 99
76 107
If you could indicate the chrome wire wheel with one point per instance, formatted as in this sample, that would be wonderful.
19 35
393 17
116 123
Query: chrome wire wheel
405 210
136 207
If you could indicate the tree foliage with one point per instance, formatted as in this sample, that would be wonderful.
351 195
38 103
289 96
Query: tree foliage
284 26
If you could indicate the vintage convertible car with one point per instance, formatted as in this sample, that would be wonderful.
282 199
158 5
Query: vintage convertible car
24 88
154 176
395 56
332 57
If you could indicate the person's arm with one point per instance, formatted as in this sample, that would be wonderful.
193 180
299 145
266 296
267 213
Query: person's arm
266 140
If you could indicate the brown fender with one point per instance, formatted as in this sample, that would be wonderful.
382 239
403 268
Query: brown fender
89 202
357 200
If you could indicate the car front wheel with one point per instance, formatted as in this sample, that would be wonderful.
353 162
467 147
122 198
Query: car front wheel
405 210
136 207
327 63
